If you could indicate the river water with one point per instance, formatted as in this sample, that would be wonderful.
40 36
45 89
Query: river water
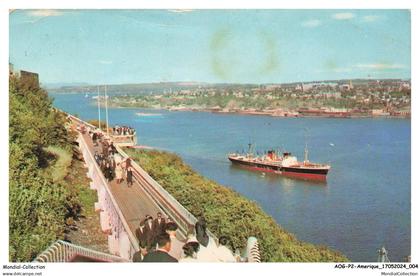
365 203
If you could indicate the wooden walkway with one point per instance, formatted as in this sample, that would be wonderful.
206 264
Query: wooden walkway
133 202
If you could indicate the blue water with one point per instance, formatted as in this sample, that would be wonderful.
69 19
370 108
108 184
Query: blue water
364 204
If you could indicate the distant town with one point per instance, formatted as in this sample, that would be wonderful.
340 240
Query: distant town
340 99
337 99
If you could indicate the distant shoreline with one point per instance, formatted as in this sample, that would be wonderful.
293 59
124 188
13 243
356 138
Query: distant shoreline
270 113
262 113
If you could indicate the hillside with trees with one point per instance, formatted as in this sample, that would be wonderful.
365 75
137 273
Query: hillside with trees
42 202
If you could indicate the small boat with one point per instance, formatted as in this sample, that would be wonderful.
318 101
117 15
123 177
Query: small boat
286 165
143 114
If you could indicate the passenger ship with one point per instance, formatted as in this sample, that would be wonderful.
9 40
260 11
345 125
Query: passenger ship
286 165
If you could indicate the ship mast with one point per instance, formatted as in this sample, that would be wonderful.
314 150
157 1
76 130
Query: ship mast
99 110
106 112
306 154
251 148
305 161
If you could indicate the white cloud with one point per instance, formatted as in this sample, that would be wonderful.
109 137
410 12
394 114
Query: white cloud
363 67
311 23
379 66
370 18
343 16
105 61
45 13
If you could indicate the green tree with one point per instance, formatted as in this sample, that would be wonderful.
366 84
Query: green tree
37 205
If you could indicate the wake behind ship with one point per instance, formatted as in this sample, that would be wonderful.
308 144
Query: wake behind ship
286 165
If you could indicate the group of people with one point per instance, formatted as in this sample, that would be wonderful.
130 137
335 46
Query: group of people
158 242
112 165
123 130
96 136
157 237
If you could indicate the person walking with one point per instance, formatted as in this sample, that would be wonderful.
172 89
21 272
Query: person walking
97 158
161 254
118 173
190 248
105 149
112 148
108 172
176 244
140 233
207 245
149 232
102 165
159 223
129 177
95 138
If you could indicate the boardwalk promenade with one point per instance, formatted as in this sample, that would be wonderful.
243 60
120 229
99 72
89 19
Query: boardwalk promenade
122 208
133 201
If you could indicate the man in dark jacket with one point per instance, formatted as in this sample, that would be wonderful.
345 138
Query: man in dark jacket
95 138
140 233
161 254
108 172
112 148
149 232
105 148
159 224
129 176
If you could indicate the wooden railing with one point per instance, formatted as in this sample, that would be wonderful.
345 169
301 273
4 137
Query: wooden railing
171 207
62 251
181 216
90 161
163 200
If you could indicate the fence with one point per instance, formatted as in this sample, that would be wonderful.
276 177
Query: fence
62 251
107 204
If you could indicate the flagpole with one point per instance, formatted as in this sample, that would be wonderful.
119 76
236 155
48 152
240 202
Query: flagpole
106 112
99 109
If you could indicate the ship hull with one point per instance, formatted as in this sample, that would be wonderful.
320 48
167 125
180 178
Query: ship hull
316 174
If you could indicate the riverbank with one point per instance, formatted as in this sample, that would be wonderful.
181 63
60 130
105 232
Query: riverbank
301 113
227 212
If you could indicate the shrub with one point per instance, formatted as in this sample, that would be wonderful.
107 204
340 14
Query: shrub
38 204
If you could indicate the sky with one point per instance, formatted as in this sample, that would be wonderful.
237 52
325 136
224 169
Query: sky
215 46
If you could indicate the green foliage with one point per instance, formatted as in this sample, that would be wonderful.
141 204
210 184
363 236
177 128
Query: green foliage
38 202
227 212
61 165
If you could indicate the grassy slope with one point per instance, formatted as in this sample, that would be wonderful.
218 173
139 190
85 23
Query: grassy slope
43 201
83 226
86 228
60 164
227 212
